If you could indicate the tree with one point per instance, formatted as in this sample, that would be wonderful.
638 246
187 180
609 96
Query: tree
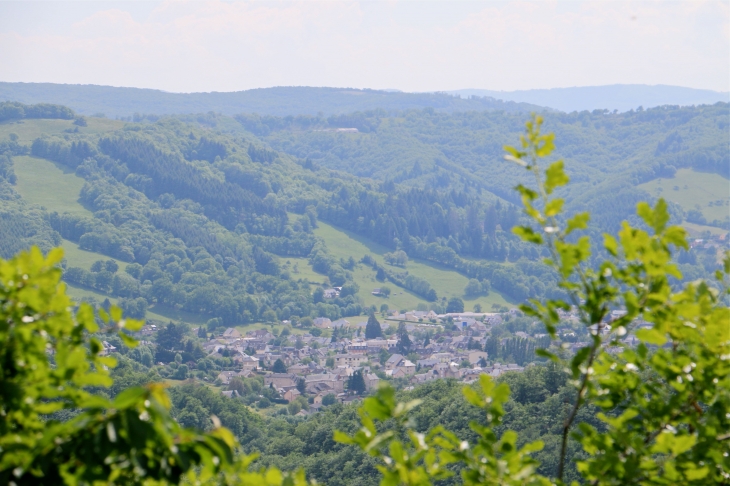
473 288
455 305
302 386
330 362
372 328
385 291
279 366
404 341
329 399
202 333
111 266
171 337
356 383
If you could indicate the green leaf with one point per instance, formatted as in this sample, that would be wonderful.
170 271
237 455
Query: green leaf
554 207
651 336
130 397
555 176
128 340
656 218
527 234
543 353
578 222
610 244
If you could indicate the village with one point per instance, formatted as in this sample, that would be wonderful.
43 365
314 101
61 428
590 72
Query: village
438 346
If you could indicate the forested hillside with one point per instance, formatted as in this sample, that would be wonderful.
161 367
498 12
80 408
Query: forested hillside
608 154
204 211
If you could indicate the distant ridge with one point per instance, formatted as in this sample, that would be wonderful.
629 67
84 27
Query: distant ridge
279 101
621 97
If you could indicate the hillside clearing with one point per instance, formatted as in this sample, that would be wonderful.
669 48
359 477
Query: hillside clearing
708 193
50 185
447 283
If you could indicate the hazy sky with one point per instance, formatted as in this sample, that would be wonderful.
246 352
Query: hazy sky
408 45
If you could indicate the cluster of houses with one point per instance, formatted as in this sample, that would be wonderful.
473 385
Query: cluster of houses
448 355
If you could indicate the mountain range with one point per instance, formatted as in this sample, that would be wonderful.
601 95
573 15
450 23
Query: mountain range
116 102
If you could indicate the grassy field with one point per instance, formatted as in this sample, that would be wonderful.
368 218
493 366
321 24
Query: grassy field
709 193
50 185
300 269
447 283
696 230
159 313
76 257
29 130
56 188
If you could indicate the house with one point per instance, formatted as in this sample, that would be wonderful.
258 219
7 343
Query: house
291 394
231 333
281 380
226 376
107 349
375 345
331 293
350 359
332 382
427 363
371 381
261 334
407 366
230 393
357 347
393 361
247 362
397 373
477 356
375 292
341 324
322 323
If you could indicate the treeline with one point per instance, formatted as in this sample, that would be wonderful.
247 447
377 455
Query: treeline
11 110
417 285
515 349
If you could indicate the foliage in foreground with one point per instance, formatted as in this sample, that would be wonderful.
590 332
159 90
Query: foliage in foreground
665 404
51 359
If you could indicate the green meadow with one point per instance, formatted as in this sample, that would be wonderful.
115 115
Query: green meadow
29 130
447 283
50 185
708 193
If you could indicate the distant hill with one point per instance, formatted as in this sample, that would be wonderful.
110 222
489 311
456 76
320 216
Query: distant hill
280 101
621 97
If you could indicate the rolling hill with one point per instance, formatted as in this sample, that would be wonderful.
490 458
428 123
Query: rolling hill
621 97
280 101
234 221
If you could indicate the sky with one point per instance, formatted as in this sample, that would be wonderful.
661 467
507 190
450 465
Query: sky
193 46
